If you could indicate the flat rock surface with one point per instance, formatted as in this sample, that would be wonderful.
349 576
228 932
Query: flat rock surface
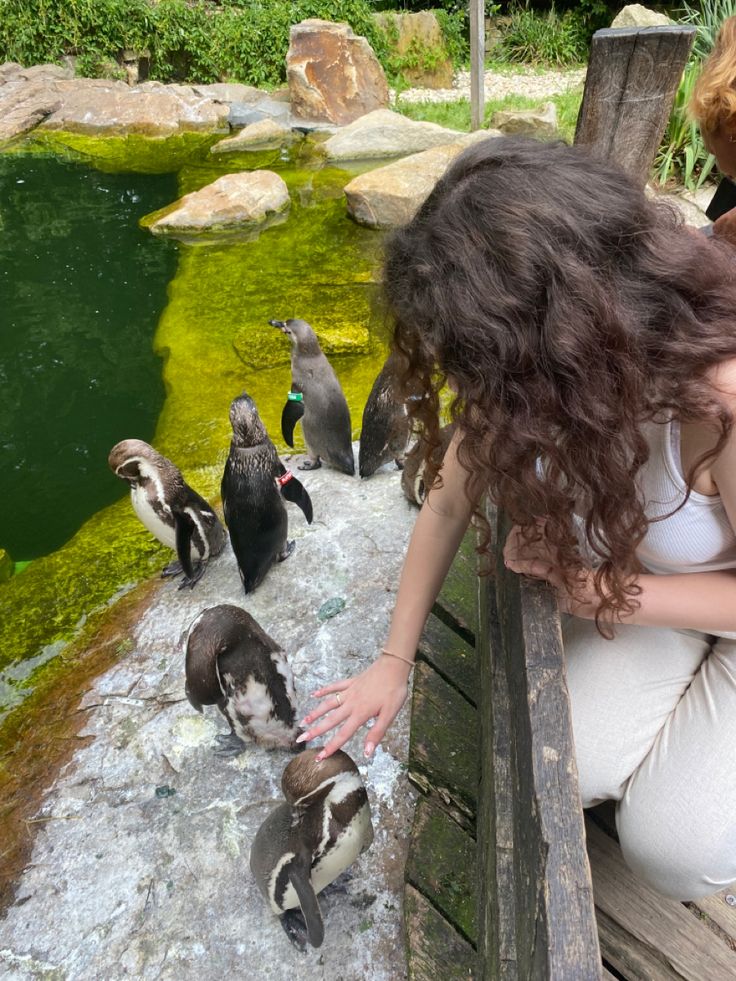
383 133
267 133
230 201
389 196
99 107
128 882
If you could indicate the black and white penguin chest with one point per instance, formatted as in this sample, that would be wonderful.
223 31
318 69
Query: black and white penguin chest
260 707
156 514
338 828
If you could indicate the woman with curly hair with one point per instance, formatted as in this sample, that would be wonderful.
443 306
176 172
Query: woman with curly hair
713 105
589 341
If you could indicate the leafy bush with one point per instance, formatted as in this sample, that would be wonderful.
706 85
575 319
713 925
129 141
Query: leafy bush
544 38
188 40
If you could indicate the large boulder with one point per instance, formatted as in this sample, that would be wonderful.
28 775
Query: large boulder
419 47
540 123
234 202
636 15
27 97
383 133
333 74
103 108
389 196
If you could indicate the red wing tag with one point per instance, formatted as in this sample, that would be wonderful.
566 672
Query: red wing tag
285 478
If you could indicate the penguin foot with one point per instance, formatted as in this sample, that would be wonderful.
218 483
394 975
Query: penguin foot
196 575
172 569
311 463
288 549
295 928
229 745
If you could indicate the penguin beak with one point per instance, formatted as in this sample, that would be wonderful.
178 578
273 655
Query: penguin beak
280 324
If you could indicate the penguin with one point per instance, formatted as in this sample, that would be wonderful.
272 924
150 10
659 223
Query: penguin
253 486
386 426
304 844
174 513
232 662
412 477
322 407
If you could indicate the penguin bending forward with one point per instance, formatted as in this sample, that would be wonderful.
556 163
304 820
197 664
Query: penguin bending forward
254 484
231 662
304 844
386 426
168 507
322 407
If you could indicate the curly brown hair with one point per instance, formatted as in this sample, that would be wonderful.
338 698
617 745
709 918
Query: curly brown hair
713 101
567 310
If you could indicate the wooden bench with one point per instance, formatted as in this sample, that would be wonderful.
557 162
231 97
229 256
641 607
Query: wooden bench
505 879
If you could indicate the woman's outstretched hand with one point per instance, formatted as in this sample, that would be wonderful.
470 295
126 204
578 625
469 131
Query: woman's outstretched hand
377 693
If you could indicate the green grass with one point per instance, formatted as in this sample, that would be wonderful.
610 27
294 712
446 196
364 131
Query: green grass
456 115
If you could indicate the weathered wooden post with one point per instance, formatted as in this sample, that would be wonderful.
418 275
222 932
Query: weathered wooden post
477 62
633 74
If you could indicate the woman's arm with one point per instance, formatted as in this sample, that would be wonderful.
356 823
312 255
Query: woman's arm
380 691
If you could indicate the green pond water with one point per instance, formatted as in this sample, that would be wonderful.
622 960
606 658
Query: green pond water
108 333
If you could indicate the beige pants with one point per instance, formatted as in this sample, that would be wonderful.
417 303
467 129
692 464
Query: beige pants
654 718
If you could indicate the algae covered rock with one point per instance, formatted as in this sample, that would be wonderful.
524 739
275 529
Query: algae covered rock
333 74
232 202
389 196
6 566
419 45
383 133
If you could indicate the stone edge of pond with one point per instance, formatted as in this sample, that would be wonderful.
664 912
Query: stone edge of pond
42 734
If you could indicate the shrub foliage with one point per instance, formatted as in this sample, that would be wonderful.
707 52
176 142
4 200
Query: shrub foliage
187 40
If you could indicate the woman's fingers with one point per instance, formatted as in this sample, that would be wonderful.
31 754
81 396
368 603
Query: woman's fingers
329 704
337 715
332 687
377 732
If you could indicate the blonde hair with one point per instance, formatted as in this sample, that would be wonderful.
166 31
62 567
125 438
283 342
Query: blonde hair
713 102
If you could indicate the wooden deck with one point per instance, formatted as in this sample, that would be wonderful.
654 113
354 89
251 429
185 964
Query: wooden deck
643 937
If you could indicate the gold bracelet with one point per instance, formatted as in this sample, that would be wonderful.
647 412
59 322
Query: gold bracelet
398 657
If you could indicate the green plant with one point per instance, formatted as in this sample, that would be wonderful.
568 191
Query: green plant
544 38
707 16
682 154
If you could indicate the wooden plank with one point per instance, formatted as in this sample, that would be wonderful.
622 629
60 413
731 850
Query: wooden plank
443 748
494 825
556 933
718 909
451 656
477 62
457 604
633 74
436 950
645 936
441 865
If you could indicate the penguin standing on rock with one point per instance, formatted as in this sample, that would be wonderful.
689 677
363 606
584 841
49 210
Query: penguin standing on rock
169 508
385 430
254 485
304 844
231 662
322 407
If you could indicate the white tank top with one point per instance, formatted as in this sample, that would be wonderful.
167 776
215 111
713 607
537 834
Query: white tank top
698 537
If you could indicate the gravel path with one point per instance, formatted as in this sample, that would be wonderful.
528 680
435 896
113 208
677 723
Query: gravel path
535 85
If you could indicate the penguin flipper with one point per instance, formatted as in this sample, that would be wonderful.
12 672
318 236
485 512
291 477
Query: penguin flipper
294 490
290 416
184 530
299 876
